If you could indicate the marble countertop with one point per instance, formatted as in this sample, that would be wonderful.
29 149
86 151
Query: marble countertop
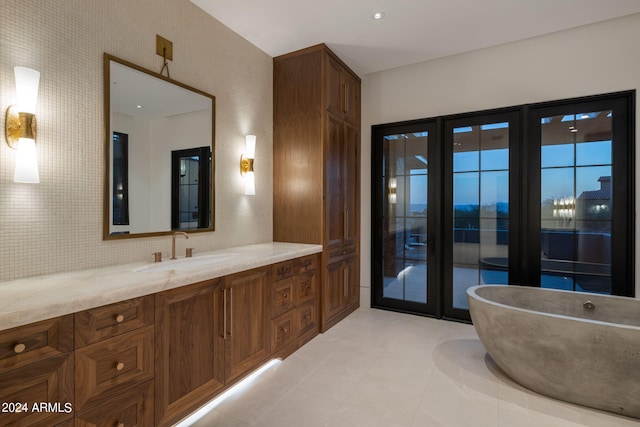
38 298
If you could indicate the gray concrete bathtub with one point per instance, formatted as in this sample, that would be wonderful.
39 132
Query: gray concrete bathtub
577 347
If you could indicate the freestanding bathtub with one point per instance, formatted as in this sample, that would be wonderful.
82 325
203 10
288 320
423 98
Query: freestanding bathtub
577 347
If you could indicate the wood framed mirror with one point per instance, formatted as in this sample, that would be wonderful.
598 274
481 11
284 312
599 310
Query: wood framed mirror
150 121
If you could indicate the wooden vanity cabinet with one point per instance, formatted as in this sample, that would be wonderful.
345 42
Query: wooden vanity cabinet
151 361
36 365
316 166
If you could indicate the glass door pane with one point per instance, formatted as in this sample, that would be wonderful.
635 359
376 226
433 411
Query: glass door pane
576 201
406 177
480 207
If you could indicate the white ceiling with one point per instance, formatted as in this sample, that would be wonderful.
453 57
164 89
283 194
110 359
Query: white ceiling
412 31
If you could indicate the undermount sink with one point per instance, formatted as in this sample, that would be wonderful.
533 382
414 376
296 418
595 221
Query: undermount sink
186 262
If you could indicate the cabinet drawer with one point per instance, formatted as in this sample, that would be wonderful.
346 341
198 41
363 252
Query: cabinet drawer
307 318
105 369
283 270
306 287
306 264
27 344
48 381
131 408
110 320
282 296
283 330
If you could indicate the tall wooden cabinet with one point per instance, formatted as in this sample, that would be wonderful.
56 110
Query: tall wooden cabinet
316 162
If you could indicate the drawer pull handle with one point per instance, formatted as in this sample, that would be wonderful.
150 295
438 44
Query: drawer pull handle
120 318
19 348
119 366
285 295
307 263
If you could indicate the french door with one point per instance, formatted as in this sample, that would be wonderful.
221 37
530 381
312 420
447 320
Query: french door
537 195
407 178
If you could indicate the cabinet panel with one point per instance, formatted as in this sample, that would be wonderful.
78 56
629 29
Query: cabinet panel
247 341
107 368
110 320
189 365
334 183
351 185
132 408
334 88
27 344
50 380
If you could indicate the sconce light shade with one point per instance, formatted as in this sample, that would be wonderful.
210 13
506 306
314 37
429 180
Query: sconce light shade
20 125
250 184
27 82
246 165
251 146
26 162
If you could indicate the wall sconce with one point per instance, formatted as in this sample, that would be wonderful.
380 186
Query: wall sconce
246 165
20 125
393 184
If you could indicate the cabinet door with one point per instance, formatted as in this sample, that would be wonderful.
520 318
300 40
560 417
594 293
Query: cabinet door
189 349
342 92
341 291
334 295
49 381
334 182
247 342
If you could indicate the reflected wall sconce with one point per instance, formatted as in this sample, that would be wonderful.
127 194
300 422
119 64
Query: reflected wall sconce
393 185
246 165
20 125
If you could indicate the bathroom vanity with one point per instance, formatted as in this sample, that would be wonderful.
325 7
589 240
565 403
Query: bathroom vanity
147 344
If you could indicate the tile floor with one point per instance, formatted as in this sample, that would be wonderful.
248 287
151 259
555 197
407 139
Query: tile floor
379 368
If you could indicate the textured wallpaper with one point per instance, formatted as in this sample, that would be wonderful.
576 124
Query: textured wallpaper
56 225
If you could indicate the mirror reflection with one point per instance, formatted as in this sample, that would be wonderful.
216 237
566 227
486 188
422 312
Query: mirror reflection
159 149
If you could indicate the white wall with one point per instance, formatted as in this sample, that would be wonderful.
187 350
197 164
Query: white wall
57 225
589 60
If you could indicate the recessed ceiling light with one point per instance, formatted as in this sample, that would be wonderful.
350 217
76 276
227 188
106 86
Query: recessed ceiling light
378 15
139 106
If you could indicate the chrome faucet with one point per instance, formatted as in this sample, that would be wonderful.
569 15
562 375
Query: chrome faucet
173 242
